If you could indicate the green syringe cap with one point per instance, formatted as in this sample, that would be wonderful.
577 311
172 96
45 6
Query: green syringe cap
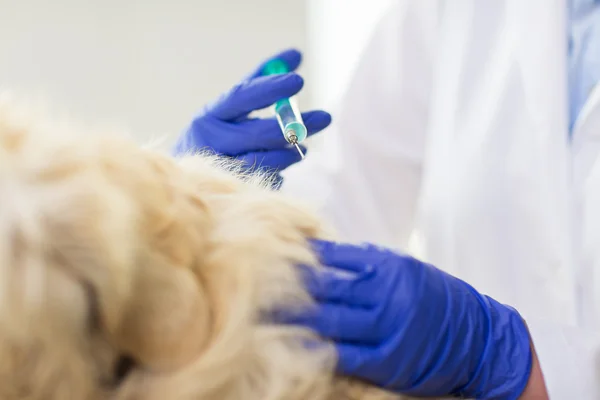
275 66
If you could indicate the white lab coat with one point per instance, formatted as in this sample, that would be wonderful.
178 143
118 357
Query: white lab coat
455 125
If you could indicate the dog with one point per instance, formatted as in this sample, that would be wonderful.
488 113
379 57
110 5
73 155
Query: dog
126 274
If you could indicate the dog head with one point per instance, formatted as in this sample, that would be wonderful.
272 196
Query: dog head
125 274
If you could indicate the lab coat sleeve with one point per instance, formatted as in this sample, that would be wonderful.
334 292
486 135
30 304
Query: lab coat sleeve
569 359
377 134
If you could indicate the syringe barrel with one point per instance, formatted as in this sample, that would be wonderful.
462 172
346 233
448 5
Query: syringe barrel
286 110
290 120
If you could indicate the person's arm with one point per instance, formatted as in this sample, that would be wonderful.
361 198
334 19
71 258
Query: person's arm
378 133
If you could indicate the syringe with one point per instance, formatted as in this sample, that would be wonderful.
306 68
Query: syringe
286 110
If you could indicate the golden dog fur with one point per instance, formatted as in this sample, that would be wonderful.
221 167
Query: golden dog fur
110 252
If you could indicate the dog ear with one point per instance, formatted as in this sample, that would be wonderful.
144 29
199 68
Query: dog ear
166 322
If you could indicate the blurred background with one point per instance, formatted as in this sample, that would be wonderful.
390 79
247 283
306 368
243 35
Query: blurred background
149 66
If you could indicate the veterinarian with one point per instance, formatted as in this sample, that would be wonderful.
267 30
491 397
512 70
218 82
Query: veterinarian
477 125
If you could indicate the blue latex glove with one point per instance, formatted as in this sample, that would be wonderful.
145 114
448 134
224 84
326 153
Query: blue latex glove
411 328
225 127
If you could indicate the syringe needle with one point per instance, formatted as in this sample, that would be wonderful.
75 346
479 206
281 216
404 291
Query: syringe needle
299 149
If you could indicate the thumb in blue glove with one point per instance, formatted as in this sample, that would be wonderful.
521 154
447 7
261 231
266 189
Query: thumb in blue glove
225 127
413 329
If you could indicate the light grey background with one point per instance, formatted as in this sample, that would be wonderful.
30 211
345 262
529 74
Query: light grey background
149 66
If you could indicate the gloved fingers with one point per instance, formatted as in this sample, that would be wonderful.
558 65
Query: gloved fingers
272 161
353 290
265 134
220 136
291 57
255 94
360 259
338 323
251 135
316 121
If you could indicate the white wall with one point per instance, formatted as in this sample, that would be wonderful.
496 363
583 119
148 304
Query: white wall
150 65
147 65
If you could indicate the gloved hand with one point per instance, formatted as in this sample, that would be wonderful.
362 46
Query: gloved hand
225 127
411 328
